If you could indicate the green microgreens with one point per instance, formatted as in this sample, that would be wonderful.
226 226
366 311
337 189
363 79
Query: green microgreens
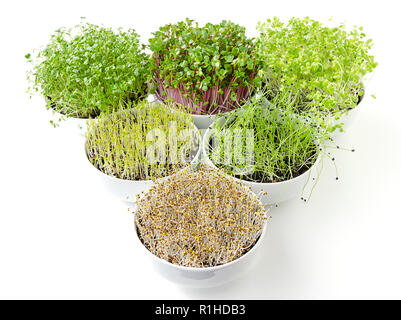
210 68
322 66
199 219
120 144
88 69
284 145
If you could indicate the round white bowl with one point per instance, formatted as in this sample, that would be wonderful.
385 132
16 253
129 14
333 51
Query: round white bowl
204 277
269 193
348 118
127 190
75 125
203 122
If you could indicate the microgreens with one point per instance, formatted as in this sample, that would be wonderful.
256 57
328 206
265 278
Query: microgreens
88 69
283 145
322 66
210 68
199 219
147 142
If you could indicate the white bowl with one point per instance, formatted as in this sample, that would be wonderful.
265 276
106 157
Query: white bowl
273 192
127 190
203 122
204 277
348 118
75 125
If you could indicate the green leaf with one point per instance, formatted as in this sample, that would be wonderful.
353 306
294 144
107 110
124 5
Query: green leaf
229 58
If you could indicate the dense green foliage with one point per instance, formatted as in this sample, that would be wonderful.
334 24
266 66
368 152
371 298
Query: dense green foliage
194 59
88 69
322 66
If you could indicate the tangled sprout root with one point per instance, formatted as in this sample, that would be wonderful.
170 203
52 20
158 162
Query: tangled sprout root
199 219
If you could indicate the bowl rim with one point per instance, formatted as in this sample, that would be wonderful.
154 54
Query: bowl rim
197 155
209 162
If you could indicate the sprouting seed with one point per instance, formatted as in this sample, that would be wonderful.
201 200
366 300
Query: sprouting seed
118 144
199 219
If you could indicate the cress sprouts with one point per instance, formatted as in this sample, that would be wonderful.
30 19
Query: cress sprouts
265 142
88 69
199 219
211 68
322 66
147 142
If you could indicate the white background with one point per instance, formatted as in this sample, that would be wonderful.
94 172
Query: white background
63 236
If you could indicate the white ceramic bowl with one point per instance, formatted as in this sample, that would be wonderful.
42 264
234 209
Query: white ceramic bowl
348 118
204 277
127 190
269 193
203 122
75 125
